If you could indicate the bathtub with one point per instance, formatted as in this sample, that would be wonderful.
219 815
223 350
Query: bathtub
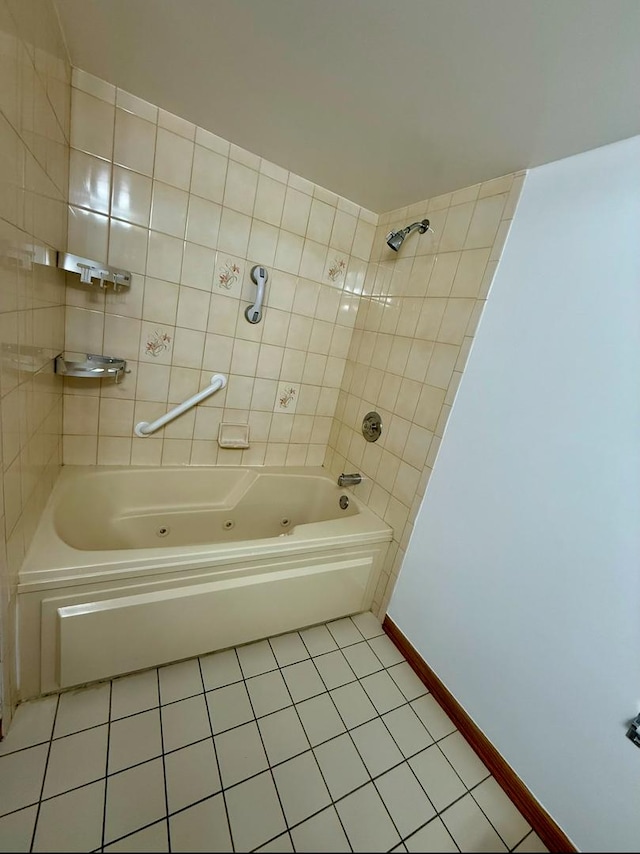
133 567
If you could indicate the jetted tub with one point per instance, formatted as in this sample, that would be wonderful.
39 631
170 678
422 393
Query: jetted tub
132 567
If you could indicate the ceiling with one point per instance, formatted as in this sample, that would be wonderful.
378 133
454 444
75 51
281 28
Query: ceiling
385 102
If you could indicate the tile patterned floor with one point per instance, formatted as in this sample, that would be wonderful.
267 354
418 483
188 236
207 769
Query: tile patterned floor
319 740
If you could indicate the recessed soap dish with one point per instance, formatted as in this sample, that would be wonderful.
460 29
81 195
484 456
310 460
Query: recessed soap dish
95 367
233 435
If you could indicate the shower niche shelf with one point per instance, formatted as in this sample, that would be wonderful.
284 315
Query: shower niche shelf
89 270
94 367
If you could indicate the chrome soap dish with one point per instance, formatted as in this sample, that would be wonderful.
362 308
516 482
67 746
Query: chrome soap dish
95 367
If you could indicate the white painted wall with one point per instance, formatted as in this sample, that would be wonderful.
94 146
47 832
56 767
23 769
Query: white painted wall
521 583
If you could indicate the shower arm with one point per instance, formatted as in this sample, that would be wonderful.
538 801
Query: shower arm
422 226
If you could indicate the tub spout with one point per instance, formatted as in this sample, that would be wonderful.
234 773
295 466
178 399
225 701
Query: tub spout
349 479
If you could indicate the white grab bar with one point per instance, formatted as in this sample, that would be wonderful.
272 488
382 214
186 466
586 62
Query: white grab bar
144 428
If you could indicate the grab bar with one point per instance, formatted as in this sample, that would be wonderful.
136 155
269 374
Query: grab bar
144 428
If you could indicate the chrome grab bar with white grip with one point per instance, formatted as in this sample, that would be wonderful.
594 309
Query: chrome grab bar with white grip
144 428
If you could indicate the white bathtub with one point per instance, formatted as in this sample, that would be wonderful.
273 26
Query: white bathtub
132 567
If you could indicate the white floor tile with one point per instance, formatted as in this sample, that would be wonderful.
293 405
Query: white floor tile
386 650
82 709
438 779
405 799
31 724
433 717
21 777
362 659
320 719
322 832
76 760
135 798
240 753
229 706
283 735
71 822
407 729
16 830
301 788
470 828
203 827
377 748
366 821
501 812
434 837
353 704
220 668
344 631
531 844
368 624
303 680
153 838
318 640
383 692
334 669
134 739
136 693
341 766
256 658
288 649
407 681
191 775
185 722
268 693
179 681
254 812
280 844
466 762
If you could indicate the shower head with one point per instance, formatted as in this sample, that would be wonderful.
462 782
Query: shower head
396 238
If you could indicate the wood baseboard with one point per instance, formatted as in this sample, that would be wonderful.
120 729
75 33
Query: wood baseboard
546 828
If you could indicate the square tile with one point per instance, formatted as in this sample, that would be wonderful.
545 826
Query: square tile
131 694
184 722
256 798
76 760
203 827
282 735
318 639
407 730
470 828
288 649
82 709
301 788
407 681
240 753
368 624
320 719
377 748
383 691
256 658
21 777
532 844
220 668
268 693
386 650
501 812
135 798
16 830
433 837
178 681
353 704
437 777
71 822
405 799
191 774
32 724
366 821
334 669
466 762
229 707
322 832
361 659
134 739
344 631
341 766
432 716
153 838
303 681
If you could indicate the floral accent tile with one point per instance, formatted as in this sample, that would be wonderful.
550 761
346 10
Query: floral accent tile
157 343
335 269
227 276
286 397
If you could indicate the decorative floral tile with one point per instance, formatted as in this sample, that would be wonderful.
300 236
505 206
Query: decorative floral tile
335 269
157 343
286 397
227 276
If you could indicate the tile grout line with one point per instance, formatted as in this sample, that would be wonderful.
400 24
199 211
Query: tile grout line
44 776
106 770
164 769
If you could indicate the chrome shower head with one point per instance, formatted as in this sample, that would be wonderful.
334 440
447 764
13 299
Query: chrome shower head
396 238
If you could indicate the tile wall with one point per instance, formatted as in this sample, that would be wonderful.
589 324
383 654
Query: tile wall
34 156
416 320
190 214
